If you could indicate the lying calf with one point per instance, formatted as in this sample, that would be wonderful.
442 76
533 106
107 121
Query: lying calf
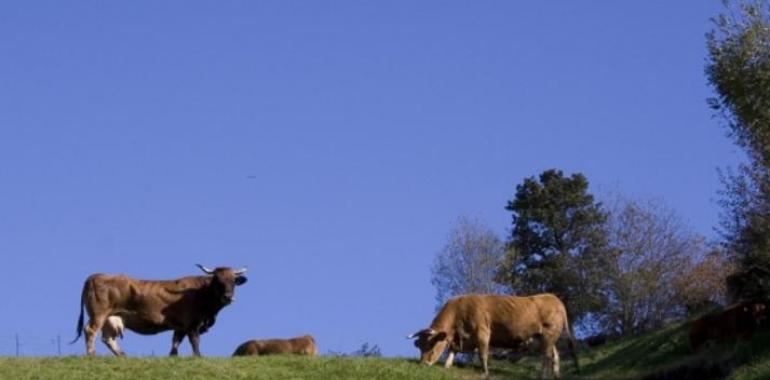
303 345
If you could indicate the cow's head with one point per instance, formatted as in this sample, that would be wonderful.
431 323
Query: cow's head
431 343
224 280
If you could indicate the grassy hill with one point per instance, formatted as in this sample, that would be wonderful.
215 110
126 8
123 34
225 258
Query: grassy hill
663 354
659 355
275 367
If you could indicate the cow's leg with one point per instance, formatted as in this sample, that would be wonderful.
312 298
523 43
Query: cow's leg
112 344
195 339
483 341
555 369
111 331
95 324
178 337
545 356
450 358
550 359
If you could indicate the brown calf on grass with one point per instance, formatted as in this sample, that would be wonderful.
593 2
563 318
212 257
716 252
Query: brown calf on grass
303 345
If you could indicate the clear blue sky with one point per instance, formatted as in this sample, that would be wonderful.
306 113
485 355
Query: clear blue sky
327 145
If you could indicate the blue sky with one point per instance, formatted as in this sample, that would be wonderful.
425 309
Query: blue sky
328 146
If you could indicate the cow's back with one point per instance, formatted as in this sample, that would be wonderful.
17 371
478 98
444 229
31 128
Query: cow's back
124 292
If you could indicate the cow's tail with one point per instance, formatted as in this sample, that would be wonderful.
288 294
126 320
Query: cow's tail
80 319
571 342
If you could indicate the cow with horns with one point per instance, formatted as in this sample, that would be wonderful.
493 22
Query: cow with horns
188 306
480 321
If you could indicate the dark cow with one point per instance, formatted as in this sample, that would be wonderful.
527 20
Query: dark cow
302 345
478 321
188 306
735 322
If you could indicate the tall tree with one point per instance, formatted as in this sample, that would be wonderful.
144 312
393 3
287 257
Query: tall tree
557 243
739 70
468 261
651 250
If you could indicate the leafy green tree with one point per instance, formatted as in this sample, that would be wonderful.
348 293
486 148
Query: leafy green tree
558 243
739 71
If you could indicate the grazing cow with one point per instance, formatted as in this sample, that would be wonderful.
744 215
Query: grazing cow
302 345
479 321
738 321
187 305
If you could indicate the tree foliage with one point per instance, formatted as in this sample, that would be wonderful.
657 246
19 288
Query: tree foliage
557 242
703 286
651 251
468 262
739 71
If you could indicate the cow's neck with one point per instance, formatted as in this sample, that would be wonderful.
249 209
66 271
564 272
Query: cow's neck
444 321
208 296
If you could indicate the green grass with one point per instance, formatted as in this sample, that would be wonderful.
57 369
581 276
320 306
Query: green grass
273 367
662 354
638 356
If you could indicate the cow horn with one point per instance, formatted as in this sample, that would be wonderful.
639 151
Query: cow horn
207 270
241 271
423 331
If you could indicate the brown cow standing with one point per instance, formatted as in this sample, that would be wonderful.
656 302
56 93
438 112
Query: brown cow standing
479 321
737 321
188 306
302 345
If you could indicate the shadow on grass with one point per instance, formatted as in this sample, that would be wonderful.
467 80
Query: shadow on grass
661 347
525 368
665 355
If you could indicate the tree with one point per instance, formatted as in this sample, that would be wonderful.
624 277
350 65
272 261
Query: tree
558 243
651 251
703 287
468 261
739 71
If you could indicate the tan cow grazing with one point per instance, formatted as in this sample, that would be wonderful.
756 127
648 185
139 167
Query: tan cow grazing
302 345
738 321
188 306
481 321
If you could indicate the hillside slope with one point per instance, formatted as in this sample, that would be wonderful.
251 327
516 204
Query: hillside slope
662 354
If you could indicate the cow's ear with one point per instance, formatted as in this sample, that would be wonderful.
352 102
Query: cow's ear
440 336
240 280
